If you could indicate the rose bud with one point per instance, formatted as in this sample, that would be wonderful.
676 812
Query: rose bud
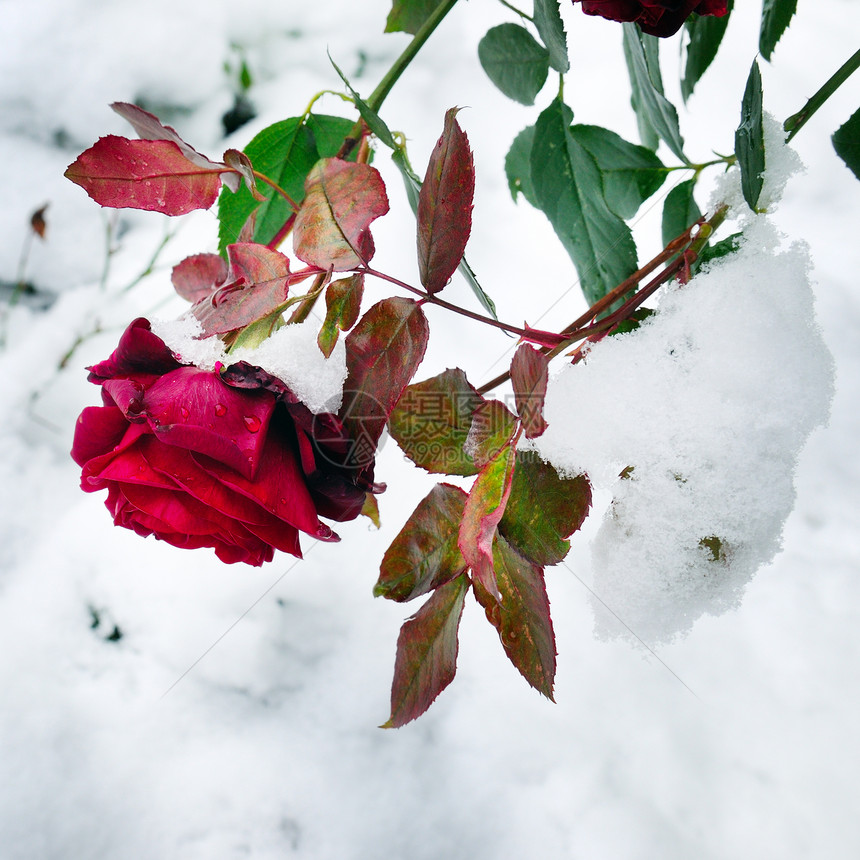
229 460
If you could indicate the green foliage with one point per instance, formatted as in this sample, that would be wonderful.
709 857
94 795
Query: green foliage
285 152
343 303
775 18
679 210
427 653
705 34
514 61
431 422
550 27
749 139
568 188
630 173
518 166
407 16
374 121
657 115
543 509
493 427
846 142
424 555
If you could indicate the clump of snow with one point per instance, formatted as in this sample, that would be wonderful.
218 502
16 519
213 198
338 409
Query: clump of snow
704 410
291 354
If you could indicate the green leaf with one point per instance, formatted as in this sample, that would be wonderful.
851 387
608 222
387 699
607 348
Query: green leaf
445 206
651 106
631 173
343 303
431 423
522 619
382 354
514 61
568 187
549 25
846 142
721 249
332 227
518 166
427 648
493 426
484 508
424 555
749 139
407 16
705 33
775 18
679 210
374 121
529 376
285 152
543 509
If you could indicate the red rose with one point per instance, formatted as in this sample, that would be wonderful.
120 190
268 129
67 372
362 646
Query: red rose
655 17
229 460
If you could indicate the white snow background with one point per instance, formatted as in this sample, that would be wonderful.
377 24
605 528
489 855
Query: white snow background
236 716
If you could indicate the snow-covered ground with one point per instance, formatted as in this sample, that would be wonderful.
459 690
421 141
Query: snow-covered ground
158 704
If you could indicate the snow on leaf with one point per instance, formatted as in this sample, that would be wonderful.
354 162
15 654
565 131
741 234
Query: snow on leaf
427 648
256 286
383 352
198 276
523 617
445 206
343 303
341 199
484 508
529 376
424 555
144 174
431 423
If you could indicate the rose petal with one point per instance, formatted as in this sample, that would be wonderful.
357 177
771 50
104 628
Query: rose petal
139 350
193 409
98 429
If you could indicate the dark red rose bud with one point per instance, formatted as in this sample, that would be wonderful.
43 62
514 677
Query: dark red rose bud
655 17
201 459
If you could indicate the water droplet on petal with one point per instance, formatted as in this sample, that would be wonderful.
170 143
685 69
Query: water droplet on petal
220 410
184 413
252 423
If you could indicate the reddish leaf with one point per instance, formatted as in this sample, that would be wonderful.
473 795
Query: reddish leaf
341 199
343 303
543 509
198 276
427 648
445 206
484 508
382 354
431 423
493 426
144 174
256 286
529 375
522 618
242 165
424 555
149 127
37 221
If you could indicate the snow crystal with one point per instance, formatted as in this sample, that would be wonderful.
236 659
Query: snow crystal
694 422
291 354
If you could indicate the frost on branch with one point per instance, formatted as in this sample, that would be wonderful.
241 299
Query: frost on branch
695 423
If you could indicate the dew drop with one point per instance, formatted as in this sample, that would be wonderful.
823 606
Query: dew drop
220 410
184 413
252 423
